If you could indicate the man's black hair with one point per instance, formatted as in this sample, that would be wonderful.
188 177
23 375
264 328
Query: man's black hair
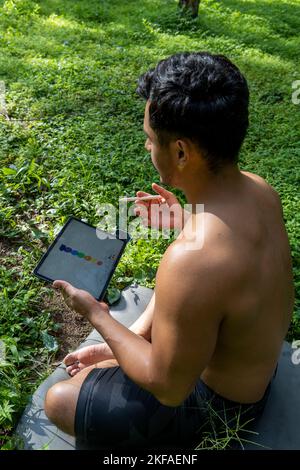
200 96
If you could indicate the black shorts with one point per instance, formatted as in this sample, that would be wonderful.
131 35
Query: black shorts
114 412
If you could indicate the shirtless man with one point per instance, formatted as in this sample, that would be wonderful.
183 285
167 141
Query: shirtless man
215 325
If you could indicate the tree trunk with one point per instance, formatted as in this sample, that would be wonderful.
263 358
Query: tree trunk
191 6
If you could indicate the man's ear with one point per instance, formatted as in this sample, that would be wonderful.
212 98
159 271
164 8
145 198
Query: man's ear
182 153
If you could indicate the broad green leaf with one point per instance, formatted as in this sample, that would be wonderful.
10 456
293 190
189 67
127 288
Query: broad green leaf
8 171
49 341
112 295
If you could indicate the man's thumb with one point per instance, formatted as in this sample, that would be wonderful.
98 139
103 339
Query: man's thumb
64 285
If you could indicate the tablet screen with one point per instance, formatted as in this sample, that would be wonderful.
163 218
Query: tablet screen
83 256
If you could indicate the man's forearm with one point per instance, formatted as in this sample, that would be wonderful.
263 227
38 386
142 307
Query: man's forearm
132 351
142 326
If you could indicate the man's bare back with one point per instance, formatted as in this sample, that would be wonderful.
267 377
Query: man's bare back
248 232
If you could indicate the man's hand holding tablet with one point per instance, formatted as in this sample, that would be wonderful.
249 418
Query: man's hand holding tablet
80 263
81 301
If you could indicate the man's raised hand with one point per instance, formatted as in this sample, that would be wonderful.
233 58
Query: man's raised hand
165 212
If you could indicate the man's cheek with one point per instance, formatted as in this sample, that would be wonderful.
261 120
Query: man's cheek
154 161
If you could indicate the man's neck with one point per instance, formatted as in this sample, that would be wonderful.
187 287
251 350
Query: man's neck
206 187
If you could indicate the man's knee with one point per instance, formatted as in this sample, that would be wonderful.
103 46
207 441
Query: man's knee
60 406
54 401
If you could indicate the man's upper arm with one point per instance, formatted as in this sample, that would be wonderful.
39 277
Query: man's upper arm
185 323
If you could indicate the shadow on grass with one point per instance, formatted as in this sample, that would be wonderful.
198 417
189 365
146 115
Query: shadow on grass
269 27
98 11
75 62
283 18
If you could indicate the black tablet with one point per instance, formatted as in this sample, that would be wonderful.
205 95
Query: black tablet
83 255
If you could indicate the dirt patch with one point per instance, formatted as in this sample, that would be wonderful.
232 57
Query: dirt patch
5 248
73 327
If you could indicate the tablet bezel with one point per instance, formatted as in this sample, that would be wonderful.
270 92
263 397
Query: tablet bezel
71 218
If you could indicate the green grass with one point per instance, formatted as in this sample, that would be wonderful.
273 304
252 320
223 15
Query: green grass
75 139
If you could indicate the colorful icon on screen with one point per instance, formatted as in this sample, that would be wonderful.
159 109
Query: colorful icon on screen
80 254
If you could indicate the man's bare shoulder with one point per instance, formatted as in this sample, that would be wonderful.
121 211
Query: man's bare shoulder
259 179
262 183
193 270
270 196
